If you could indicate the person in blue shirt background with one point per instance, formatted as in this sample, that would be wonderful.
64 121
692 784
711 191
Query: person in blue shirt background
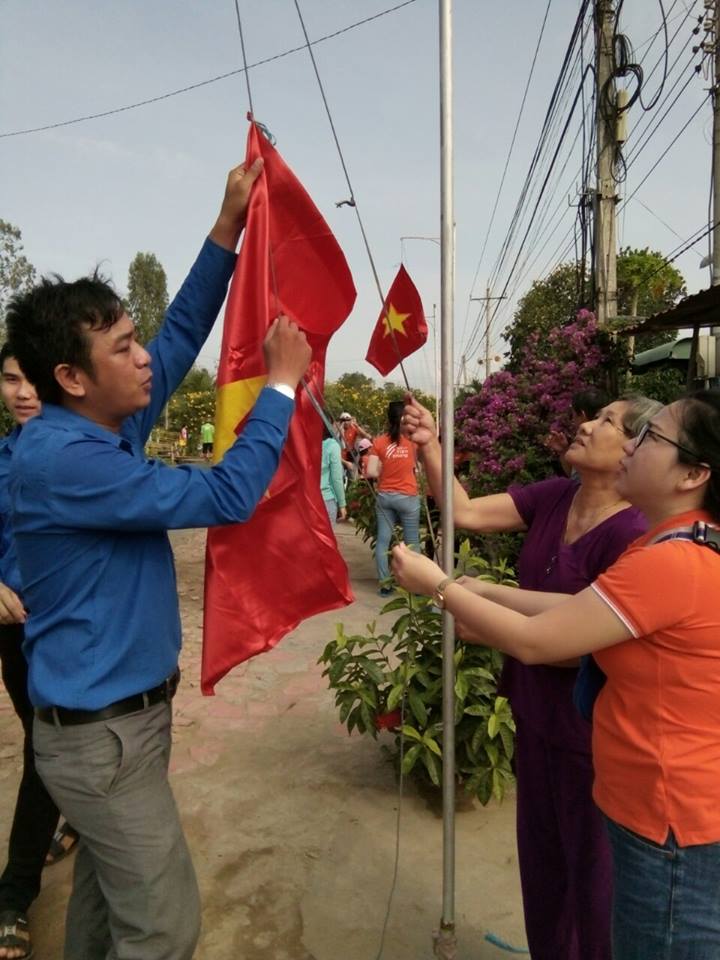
36 815
90 517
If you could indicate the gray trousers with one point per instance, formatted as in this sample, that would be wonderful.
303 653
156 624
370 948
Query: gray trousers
134 896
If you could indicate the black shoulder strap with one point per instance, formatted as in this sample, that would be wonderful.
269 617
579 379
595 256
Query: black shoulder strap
700 532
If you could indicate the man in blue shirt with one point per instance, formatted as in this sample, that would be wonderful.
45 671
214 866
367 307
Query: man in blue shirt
90 516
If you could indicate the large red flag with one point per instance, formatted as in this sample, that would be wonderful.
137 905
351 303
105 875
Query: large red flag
264 576
401 328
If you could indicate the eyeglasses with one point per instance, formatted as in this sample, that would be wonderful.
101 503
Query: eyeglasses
648 430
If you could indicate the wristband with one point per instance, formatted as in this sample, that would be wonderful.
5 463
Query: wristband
284 388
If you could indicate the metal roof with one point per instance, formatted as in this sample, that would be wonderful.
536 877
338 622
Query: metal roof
701 309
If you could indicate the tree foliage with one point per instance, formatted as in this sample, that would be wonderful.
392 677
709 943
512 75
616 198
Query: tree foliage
147 298
358 394
17 274
647 284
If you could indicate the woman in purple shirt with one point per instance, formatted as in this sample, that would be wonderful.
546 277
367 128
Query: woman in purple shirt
575 529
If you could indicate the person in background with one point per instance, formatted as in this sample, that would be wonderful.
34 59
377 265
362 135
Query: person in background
652 621
331 478
34 841
182 441
392 462
586 404
362 448
350 432
574 529
207 437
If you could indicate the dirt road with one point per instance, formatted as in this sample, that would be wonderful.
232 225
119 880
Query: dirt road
291 822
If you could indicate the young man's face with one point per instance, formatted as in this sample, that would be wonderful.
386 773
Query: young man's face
18 393
121 379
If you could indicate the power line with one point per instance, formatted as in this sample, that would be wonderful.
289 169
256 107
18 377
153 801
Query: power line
507 159
203 83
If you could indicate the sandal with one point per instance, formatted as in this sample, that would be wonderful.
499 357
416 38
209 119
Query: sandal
63 842
15 933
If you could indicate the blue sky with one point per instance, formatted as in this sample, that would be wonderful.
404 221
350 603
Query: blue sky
151 179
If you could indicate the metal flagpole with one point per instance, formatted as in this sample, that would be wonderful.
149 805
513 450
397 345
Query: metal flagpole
445 943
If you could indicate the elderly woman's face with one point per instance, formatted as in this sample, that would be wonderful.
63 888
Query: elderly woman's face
598 444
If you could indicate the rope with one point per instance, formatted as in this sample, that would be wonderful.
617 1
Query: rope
352 202
203 83
244 58
323 414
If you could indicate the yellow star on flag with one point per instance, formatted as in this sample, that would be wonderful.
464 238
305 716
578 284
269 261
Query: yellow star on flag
395 321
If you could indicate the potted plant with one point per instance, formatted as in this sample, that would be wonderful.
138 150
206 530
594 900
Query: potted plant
392 681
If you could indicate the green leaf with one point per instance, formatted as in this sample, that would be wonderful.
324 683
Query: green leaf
480 672
372 670
394 697
462 687
368 719
432 745
411 733
493 726
508 741
410 756
477 710
417 706
432 765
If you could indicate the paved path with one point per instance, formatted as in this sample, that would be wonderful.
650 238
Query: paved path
291 822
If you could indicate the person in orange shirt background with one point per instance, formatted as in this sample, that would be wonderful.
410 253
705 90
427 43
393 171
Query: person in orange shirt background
350 432
652 622
393 461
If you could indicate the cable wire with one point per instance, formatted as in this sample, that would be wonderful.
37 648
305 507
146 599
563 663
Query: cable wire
203 83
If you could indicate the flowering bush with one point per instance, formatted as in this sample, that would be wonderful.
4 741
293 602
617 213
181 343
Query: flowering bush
504 426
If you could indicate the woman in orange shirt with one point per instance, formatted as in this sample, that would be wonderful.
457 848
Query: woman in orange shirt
652 622
392 459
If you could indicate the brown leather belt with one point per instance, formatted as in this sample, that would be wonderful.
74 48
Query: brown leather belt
65 717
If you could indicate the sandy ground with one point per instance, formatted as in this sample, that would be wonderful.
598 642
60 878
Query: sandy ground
291 822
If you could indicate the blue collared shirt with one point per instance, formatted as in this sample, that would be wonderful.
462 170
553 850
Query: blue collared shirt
90 516
9 572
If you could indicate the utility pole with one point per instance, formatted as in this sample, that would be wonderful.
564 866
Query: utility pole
606 195
486 300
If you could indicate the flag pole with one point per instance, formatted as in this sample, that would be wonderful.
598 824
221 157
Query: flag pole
445 943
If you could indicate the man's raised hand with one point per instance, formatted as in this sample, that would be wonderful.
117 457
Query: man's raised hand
287 352
233 211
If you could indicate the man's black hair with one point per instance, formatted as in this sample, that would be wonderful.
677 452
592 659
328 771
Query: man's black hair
48 326
5 353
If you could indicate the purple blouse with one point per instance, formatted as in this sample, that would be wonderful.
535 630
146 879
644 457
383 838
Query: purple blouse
542 696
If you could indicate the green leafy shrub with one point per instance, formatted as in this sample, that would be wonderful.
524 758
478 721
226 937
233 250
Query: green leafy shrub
393 681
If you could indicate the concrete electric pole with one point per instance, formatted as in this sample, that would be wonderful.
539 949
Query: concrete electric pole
486 300
606 195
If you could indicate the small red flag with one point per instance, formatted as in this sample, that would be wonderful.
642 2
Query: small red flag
401 328
264 576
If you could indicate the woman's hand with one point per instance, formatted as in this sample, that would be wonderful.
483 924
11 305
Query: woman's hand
417 422
473 585
415 572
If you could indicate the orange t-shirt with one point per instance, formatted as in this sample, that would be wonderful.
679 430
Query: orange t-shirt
656 722
349 437
398 465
